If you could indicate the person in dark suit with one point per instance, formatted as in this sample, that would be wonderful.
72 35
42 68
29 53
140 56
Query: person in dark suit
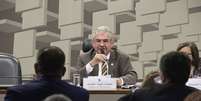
119 65
49 69
175 70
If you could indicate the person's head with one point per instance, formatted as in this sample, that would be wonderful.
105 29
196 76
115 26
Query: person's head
195 96
102 40
191 50
50 62
175 68
57 97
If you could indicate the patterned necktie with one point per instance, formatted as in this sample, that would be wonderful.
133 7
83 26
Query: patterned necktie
104 68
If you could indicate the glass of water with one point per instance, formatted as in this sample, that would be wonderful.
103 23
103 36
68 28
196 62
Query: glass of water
76 79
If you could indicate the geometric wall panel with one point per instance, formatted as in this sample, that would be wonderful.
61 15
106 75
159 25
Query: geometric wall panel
34 18
194 25
149 44
70 11
152 6
116 6
169 30
128 49
24 43
170 44
176 13
147 56
130 33
194 3
71 31
147 19
23 5
102 18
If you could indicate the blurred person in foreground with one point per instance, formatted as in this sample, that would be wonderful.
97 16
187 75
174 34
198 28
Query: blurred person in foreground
49 69
174 73
119 65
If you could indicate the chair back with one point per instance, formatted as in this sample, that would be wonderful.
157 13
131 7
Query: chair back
10 70
86 45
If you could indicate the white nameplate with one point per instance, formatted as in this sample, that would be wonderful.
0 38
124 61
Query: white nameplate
99 83
194 82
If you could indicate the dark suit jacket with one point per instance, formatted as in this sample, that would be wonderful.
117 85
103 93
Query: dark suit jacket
160 93
38 90
119 66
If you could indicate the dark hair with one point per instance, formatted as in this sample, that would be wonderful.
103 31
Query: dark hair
175 66
194 96
194 52
50 60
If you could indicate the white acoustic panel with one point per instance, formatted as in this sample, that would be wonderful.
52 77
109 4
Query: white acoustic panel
34 18
102 18
152 41
70 11
130 33
170 44
176 13
117 6
169 30
138 67
151 6
147 56
24 43
194 25
23 5
47 36
71 31
192 38
27 67
95 5
9 26
147 19
128 49
194 3
65 46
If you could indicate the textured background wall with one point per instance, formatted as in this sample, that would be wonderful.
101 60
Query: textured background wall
145 29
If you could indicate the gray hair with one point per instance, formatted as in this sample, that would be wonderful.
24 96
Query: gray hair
105 29
57 97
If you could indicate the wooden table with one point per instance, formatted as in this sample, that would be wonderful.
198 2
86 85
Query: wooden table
107 95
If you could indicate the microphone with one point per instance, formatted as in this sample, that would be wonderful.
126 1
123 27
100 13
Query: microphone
102 51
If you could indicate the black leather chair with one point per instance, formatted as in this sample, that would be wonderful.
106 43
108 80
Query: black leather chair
10 70
86 45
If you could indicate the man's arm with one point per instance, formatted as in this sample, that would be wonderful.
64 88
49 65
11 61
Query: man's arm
129 76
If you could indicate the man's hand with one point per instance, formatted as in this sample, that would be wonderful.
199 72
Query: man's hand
97 59
119 82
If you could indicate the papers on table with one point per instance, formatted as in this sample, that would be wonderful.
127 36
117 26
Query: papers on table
99 83
194 82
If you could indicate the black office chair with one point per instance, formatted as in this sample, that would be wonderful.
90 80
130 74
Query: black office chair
86 45
10 70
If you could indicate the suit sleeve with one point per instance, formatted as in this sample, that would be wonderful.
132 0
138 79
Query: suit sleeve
12 95
129 76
